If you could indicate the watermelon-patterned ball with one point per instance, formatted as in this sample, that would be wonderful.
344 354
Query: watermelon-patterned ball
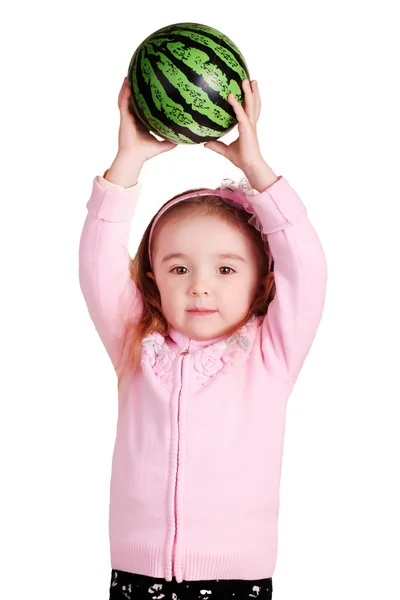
180 78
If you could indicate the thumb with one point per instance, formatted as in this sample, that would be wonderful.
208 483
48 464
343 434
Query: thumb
124 99
166 145
218 147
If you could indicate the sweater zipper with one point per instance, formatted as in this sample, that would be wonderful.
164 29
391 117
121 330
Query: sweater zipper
184 353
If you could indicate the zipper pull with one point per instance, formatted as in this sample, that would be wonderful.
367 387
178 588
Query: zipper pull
184 352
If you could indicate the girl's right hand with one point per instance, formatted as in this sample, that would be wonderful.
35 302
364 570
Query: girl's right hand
133 138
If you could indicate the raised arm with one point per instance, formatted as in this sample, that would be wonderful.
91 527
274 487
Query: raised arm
300 267
109 291
300 271
104 277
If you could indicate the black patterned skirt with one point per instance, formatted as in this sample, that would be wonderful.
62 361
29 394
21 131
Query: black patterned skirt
130 586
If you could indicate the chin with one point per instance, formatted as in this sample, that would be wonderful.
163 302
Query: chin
205 331
209 333
203 337
201 333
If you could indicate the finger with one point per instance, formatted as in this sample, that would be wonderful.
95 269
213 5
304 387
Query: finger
240 112
249 100
125 100
246 111
166 145
252 104
123 89
257 98
219 147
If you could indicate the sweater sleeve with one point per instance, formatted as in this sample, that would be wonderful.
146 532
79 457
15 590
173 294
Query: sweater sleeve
108 289
300 270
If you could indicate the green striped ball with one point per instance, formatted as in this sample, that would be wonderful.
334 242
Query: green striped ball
180 78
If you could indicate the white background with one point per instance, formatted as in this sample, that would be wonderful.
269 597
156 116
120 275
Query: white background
329 123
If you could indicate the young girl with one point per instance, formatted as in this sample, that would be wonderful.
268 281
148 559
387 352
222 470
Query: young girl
207 328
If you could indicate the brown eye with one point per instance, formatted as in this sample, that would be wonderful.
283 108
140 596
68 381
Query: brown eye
174 270
229 268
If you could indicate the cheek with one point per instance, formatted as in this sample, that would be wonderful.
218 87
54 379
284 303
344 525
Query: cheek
172 286
170 290
242 293
235 293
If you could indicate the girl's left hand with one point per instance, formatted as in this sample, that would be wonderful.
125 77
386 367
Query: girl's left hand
244 151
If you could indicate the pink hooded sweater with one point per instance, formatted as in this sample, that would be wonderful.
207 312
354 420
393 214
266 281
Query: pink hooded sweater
196 467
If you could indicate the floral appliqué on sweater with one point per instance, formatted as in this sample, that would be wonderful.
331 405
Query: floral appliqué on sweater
208 362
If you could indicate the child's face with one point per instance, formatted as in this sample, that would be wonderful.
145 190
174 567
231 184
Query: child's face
200 278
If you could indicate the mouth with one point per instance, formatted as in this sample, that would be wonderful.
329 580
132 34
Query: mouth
201 312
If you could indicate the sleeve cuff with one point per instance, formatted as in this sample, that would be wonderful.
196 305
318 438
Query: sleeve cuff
279 206
115 203
104 182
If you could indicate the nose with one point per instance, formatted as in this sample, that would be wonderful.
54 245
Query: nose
198 292
199 288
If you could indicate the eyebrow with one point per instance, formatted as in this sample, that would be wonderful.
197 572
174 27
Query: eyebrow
184 256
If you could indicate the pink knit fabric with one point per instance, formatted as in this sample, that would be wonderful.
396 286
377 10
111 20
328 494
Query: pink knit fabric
197 459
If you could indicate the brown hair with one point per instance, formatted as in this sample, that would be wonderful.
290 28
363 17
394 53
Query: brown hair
152 319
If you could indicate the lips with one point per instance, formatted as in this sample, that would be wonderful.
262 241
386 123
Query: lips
201 311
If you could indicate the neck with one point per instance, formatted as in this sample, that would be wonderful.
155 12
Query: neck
191 344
